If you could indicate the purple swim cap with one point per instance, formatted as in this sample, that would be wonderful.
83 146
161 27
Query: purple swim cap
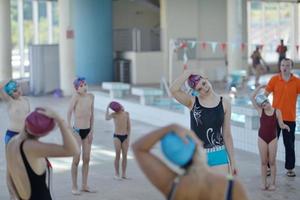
193 80
78 81
37 124
115 106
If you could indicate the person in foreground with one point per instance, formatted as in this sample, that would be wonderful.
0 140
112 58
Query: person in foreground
26 156
198 181
267 135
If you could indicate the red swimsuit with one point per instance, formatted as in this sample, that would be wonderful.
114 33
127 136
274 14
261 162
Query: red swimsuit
268 127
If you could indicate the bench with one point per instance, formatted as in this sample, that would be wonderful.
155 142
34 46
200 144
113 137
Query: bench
116 89
147 95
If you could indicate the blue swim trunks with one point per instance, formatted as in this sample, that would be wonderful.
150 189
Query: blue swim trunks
9 134
217 156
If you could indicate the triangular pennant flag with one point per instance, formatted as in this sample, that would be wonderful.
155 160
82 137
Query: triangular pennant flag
183 45
203 45
185 66
214 46
297 48
243 46
192 44
185 57
223 46
233 46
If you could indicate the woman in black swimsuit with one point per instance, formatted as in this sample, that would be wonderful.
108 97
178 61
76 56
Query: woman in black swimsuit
198 181
26 168
210 119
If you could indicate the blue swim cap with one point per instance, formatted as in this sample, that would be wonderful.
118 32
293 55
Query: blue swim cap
10 87
78 81
178 152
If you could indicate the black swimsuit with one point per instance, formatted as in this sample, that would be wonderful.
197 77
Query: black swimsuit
83 133
122 138
39 188
207 123
228 195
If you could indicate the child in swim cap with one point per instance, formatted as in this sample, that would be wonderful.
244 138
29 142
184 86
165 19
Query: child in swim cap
121 136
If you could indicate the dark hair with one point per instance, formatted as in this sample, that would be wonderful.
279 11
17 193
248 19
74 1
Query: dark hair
288 59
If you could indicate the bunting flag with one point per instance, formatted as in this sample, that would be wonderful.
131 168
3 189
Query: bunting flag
183 45
185 57
214 46
243 46
203 45
185 66
223 46
233 46
193 44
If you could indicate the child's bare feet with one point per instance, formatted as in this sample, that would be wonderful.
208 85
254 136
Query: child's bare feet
264 186
125 178
87 190
75 191
116 177
272 187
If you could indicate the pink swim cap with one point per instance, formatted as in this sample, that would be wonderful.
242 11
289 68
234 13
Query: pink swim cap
115 106
37 124
193 80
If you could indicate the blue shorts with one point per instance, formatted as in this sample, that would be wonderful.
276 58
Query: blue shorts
9 134
217 156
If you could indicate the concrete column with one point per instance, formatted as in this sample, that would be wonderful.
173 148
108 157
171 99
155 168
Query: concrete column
50 22
93 41
35 19
295 29
236 33
21 36
66 46
5 41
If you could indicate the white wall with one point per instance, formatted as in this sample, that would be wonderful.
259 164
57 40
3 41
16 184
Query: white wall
146 67
204 20
130 14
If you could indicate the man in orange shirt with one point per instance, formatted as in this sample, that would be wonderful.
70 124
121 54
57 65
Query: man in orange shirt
285 88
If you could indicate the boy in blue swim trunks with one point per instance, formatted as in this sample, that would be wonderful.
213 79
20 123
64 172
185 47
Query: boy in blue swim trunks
82 108
17 108
121 136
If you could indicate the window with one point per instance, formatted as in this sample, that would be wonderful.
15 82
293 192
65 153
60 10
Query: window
268 22
20 43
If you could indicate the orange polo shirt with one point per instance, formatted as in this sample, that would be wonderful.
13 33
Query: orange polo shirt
285 95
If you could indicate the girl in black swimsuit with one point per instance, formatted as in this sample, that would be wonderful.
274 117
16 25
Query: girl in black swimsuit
29 173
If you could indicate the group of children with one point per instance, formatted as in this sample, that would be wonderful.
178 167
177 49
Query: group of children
82 110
